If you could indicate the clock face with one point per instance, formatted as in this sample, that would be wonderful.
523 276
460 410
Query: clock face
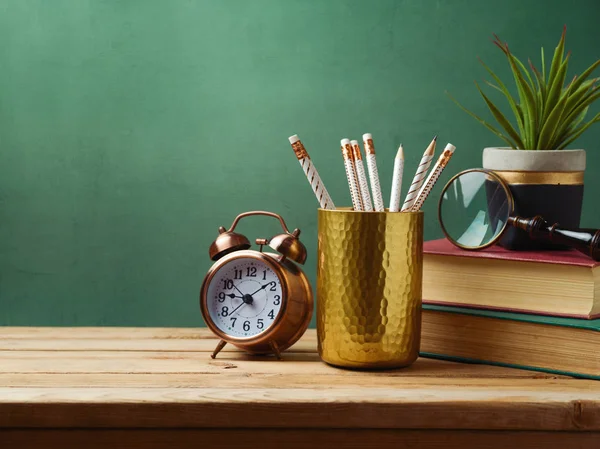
244 297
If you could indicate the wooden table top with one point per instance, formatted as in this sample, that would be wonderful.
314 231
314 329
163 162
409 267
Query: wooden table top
149 378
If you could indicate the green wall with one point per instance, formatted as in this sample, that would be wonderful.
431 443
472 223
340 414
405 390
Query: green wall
130 130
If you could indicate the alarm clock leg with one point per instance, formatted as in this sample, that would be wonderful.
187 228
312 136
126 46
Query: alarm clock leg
275 349
220 346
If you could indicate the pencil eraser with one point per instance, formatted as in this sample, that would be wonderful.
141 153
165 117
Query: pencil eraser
345 142
450 147
367 136
354 142
294 138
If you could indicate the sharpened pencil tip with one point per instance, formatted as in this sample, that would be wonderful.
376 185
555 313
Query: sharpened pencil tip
430 150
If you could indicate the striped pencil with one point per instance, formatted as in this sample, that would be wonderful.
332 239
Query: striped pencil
437 170
348 156
419 177
311 173
362 178
373 174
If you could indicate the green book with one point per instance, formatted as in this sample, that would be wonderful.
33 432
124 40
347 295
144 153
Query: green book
557 345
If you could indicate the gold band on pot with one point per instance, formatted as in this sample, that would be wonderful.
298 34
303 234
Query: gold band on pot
574 178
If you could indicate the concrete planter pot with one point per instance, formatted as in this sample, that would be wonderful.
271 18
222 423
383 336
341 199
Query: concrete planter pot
546 183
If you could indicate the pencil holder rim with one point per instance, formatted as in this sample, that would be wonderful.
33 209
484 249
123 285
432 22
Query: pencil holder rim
350 210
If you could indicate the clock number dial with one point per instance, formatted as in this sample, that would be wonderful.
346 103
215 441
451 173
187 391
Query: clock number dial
248 289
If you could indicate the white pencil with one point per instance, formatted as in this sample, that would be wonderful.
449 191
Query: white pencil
437 170
362 178
348 156
419 177
311 173
373 174
397 180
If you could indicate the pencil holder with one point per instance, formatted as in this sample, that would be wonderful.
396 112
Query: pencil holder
369 283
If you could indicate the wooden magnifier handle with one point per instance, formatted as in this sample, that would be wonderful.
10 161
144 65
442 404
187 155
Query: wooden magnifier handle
584 240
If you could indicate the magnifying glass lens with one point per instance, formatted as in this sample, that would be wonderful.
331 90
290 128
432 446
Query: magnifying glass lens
474 209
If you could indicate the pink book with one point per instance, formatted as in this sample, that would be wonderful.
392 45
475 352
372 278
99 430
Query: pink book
552 283
567 257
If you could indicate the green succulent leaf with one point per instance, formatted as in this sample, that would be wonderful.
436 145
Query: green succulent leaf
484 123
557 58
575 104
527 97
579 94
583 77
548 115
579 131
579 119
568 128
556 88
501 119
541 83
551 127
543 66
511 101
525 71
492 85
584 103
528 101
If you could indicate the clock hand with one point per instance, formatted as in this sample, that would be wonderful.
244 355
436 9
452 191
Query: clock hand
231 295
247 299
262 288
235 286
234 310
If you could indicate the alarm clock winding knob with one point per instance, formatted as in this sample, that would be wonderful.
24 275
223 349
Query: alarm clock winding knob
261 243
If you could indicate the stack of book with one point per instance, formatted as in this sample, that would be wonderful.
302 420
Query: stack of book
532 310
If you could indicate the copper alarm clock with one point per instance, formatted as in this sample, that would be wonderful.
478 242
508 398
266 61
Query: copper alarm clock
258 301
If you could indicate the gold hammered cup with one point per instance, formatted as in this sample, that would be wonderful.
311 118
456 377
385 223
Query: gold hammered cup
369 283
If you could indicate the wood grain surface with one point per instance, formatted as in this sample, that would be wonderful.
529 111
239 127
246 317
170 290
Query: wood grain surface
145 387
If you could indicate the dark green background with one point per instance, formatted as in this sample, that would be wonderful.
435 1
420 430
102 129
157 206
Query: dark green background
130 130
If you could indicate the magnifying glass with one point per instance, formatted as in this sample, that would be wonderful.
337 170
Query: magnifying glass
476 207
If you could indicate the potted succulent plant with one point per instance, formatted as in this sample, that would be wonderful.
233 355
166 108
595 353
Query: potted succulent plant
543 171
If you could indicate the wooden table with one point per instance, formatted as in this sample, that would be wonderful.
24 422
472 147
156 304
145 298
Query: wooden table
158 388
